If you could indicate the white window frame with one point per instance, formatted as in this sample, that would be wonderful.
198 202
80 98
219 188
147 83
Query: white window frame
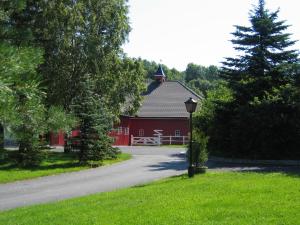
119 130
141 132
126 131
177 133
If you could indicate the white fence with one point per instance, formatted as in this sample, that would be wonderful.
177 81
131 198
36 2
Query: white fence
160 140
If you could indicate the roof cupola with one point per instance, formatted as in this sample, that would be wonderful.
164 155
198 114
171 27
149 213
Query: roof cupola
160 75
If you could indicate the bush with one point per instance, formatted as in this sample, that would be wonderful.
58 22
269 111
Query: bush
29 157
199 146
268 128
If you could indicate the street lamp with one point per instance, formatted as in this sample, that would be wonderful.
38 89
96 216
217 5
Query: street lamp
191 105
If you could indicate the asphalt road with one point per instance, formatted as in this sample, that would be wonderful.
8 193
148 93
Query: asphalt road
148 164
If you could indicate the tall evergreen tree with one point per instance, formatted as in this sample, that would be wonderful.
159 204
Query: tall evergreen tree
266 61
262 118
94 123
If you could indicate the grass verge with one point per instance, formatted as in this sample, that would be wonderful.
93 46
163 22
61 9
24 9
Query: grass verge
55 162
214 198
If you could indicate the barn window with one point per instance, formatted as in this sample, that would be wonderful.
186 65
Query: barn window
119 130
141 132
177 133
126 131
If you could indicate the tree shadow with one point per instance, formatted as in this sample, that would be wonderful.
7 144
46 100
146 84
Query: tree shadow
42 167
179 164
151 87
52 161
170 165
293 171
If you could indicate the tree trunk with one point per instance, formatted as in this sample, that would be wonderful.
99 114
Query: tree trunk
1 136
67 144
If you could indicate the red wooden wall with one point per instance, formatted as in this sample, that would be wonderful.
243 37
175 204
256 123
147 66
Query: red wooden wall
121 132
132 125
57 139
168 126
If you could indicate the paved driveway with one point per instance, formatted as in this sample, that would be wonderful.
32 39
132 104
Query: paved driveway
147 164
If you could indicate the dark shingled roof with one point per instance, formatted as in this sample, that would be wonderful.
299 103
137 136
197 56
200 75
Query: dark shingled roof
166 100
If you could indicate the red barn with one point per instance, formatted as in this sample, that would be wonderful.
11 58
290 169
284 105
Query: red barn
162 117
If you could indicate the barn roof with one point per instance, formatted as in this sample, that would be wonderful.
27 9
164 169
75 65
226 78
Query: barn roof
166 100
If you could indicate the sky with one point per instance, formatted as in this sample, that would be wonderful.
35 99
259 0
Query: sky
179 32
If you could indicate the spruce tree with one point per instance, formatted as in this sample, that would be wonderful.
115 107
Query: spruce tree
266 61
94 123
263 118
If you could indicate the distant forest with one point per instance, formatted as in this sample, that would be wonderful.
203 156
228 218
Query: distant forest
199 78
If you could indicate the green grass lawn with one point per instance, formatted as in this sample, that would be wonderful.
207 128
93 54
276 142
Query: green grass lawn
55 162
213 198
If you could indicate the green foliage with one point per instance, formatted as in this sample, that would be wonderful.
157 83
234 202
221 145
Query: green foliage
260 119
78 38
203 119
199 78
200 148
94 123
18 78
58 119
266 62
22 101
202 86
151 67
202 79
120 86
24 111
194 72
10 30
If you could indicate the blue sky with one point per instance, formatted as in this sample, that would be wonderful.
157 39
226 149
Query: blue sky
182 31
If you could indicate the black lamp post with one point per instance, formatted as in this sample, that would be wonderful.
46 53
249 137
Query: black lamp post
191 105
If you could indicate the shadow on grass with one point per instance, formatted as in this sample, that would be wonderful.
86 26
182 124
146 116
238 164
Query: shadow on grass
42 167
52 161
293 171
166 180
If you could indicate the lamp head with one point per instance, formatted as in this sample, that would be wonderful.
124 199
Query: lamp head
191 105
